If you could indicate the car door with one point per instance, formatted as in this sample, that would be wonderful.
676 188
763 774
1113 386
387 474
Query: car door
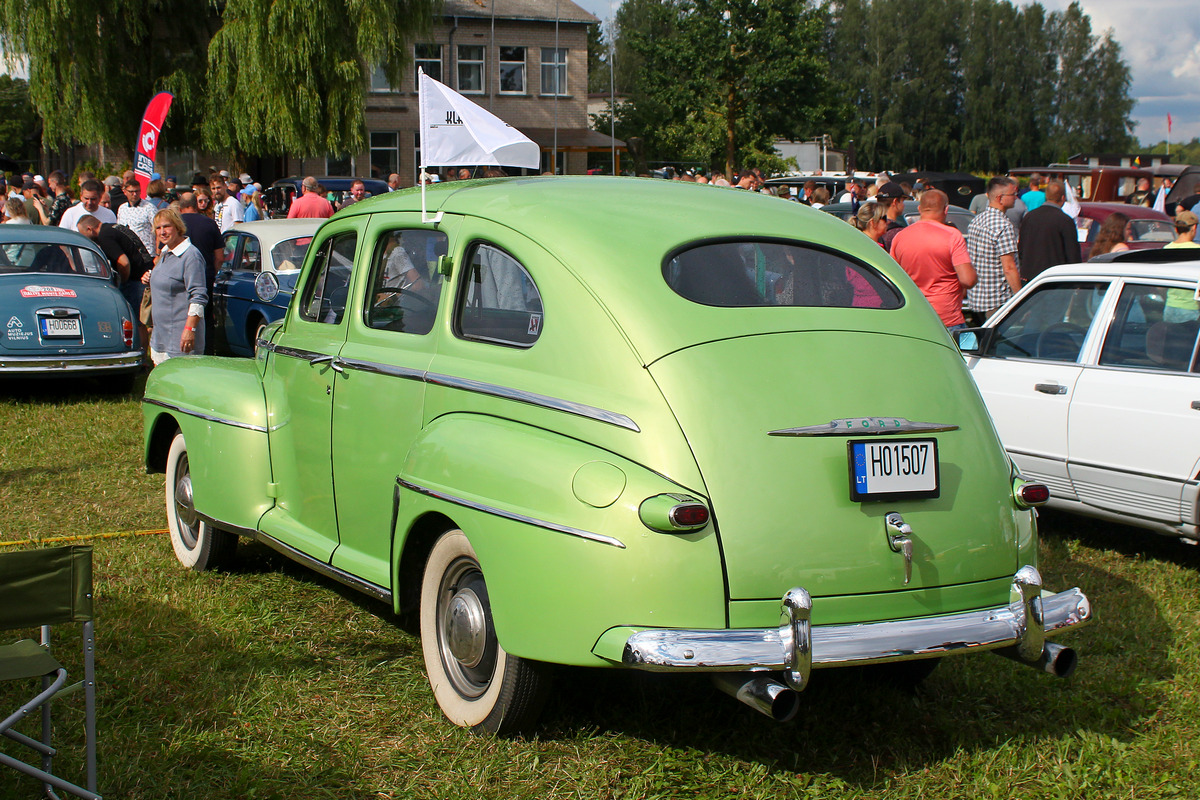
1027 374
380 396
1134 429
300 379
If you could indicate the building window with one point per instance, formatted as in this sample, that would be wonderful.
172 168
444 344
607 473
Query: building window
417 164
554 70
470 68
512 70
379 81
428 57
339 165
385 154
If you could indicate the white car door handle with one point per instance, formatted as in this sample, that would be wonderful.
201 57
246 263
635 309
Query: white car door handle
1050 388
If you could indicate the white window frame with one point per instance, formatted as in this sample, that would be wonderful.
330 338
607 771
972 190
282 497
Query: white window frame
552 68
475 64
379 82
519 66
392 150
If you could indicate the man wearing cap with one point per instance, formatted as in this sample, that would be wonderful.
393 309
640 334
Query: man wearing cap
1185 231
29 190
1048 236
310 204
935 257
892 195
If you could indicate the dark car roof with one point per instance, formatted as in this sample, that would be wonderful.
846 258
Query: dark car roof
1101 211
45 234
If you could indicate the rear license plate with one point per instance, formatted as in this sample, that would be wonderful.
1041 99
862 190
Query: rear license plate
61 326
888 469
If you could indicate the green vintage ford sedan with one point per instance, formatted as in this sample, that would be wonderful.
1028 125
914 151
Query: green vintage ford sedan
616 423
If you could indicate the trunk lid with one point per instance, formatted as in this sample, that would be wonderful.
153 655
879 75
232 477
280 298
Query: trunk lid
782 503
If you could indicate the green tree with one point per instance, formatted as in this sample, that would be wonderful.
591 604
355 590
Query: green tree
18 122
715 81
265 75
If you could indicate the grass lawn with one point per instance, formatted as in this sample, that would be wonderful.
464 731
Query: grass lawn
269 682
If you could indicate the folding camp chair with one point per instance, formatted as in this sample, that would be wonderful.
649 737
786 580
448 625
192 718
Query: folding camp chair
47 587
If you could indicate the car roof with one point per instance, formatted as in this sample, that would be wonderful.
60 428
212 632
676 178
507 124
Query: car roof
44 234
1130 267
337 183
276 230
1103 210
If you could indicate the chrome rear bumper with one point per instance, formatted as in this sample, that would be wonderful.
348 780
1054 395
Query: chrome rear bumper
796 647
66 364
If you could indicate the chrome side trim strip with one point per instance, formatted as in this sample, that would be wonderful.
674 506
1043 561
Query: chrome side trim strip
469 385
550 526
1107 468
865 426
328 570
209 417
533 399
666 650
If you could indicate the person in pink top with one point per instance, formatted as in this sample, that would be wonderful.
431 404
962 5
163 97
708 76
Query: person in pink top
935 256
310 204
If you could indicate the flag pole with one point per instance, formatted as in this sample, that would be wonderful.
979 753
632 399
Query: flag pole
423 178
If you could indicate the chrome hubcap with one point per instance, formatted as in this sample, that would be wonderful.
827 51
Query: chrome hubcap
466 628
185 508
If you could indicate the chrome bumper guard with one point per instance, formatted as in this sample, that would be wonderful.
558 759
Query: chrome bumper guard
796 646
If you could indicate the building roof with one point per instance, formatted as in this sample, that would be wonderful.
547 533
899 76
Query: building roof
542 10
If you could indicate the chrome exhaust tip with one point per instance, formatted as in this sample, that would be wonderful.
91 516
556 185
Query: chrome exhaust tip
1056 660
762 693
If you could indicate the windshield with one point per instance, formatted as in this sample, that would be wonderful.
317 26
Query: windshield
756 273
40 257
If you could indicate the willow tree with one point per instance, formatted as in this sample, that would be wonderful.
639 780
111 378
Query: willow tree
250 75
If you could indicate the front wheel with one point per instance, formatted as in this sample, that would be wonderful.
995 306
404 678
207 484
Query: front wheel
198 545
476 683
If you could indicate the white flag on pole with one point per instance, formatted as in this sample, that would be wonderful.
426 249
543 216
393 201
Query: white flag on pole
457 132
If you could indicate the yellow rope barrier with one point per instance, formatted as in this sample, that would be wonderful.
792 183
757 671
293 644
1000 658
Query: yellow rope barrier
83 537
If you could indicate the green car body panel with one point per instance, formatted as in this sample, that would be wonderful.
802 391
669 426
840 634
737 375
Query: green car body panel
344 442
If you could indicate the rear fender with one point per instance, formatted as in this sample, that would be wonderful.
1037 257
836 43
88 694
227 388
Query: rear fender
554 522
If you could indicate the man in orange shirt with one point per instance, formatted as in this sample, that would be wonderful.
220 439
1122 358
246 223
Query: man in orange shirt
935 256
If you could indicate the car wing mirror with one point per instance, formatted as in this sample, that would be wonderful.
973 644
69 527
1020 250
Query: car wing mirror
973 341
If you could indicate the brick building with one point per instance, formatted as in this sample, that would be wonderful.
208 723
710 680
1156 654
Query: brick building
523 60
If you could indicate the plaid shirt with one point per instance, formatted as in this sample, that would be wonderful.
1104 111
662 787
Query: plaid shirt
990 236
59 207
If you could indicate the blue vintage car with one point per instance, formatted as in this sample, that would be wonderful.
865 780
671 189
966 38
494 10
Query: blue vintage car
60 311
255 282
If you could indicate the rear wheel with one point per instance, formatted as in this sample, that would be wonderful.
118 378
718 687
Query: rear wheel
476 683
197 544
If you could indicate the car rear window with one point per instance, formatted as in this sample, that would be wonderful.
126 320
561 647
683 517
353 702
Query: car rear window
743 274
51 258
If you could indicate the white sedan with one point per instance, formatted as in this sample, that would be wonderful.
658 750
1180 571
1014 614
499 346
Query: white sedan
1090 374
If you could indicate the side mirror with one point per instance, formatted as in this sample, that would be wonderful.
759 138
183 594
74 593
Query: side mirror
973 341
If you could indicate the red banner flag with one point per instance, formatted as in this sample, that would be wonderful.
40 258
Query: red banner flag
1168 123
147 141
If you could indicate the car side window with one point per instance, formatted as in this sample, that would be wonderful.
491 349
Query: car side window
231 243
1050 324
499 301
251 256
405 283
324 298
1154 327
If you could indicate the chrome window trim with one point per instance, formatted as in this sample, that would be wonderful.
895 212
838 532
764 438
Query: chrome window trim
469 385
550 526
201 415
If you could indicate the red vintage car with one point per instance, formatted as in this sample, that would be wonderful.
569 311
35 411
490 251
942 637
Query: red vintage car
1148 229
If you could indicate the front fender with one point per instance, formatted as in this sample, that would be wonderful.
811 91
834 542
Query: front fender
219 406
554 523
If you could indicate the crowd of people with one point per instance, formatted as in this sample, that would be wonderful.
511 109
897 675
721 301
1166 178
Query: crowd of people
167 245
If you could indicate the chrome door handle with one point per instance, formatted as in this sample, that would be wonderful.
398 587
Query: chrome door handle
334 362
1050 388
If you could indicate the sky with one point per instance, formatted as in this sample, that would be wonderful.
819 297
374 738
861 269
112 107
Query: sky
1160 41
